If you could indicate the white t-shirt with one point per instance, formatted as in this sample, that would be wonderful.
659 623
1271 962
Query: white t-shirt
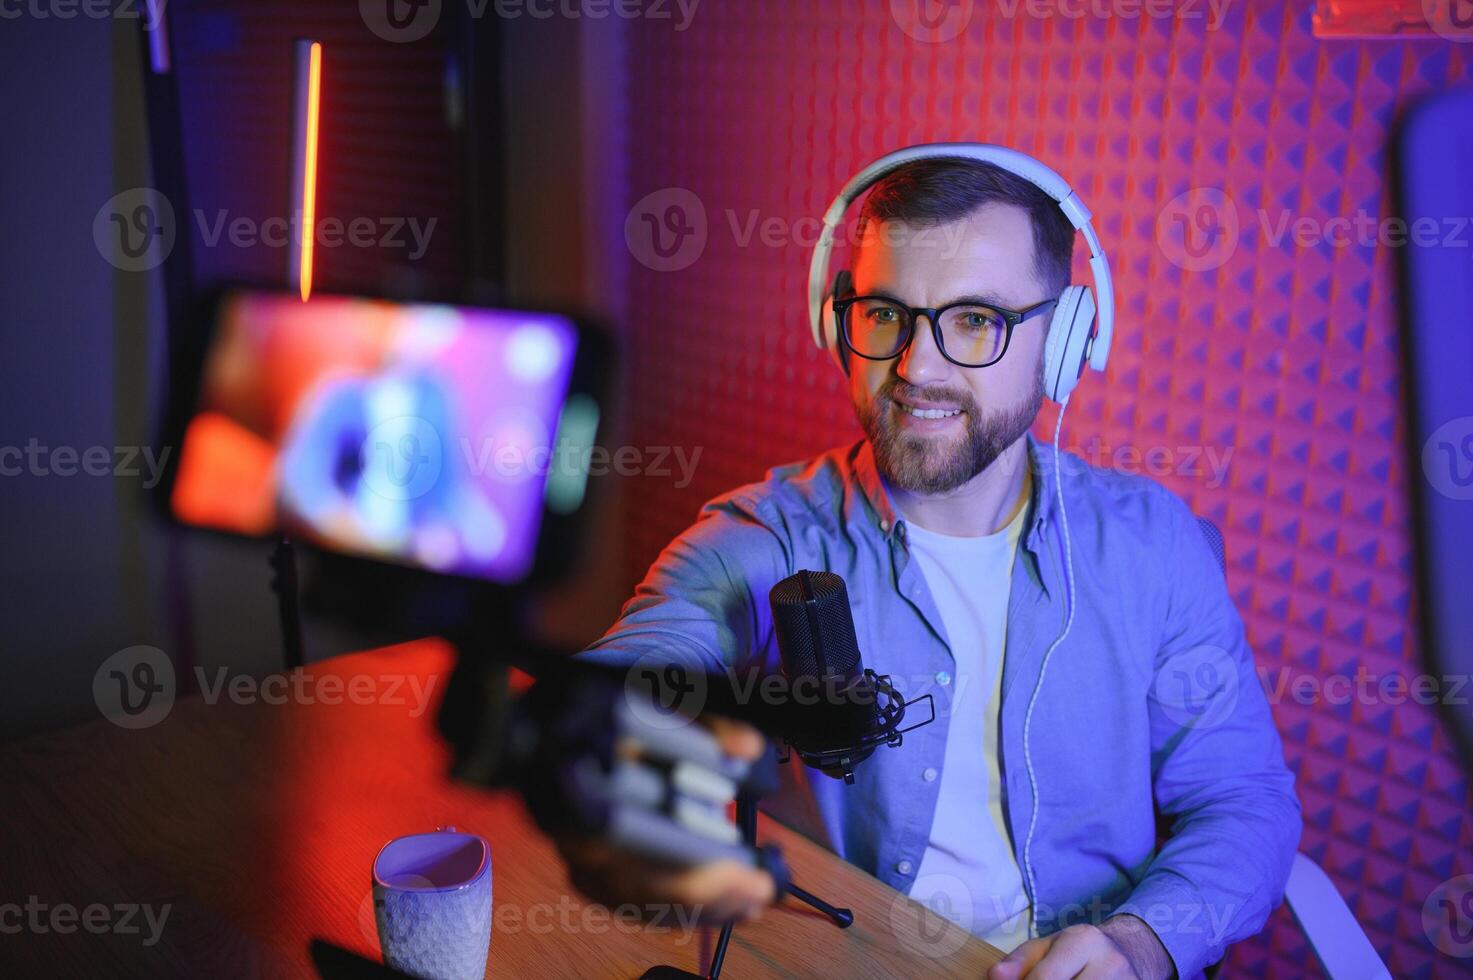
969 873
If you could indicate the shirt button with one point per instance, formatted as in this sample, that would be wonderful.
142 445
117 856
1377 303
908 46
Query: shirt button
929 774
904 867
885 526
943 678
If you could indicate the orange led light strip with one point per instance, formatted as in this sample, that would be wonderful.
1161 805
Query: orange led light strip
305 133
309 177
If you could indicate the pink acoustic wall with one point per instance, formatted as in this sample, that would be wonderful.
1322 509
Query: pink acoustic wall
1229 341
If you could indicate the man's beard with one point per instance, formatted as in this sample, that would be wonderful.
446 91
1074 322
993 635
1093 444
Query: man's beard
928 465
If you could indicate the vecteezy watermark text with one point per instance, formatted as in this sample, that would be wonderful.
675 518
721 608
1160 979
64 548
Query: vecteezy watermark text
410 235
1211 12
668 230
301 687
63 918
1158 461
511 460
36 459
136 688
940 21
136 229
1200 687
151 12
405 21
1363 688
568 916
1201 229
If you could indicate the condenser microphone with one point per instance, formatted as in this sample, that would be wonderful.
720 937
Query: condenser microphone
848 710
821 660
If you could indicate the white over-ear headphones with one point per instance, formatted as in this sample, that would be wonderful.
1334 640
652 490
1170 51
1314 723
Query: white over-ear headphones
1075 335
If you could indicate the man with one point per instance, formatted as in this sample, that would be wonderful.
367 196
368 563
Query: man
1031 804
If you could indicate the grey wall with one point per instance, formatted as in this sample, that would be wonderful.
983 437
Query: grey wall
564 86
88 568
77 340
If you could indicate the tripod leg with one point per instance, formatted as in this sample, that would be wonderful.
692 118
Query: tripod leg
288 602
747 820
719 953
843 918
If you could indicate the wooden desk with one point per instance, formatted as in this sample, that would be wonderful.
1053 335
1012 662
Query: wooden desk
255 825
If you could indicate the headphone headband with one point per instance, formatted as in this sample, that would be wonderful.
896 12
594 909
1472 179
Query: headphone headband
1014 162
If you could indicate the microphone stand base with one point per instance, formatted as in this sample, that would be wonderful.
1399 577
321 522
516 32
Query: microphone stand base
842 917
747 820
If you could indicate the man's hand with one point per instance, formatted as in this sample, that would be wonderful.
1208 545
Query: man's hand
715 892
1122 948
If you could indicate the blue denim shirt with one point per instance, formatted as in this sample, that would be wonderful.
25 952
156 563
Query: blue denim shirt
1149 710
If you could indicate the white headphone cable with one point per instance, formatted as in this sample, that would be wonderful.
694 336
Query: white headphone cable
1038 685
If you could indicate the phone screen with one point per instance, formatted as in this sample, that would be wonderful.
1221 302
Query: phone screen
430 435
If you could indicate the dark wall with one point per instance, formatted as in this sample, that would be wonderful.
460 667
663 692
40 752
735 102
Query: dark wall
90 569
77 350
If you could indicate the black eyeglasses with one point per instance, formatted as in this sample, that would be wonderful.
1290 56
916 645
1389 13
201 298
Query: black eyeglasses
968 334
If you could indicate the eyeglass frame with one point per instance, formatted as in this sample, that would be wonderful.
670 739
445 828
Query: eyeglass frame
933 314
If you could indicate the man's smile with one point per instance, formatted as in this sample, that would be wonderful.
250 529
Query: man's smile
926 414
930 413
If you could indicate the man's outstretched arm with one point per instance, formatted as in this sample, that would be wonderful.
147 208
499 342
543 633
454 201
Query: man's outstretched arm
703 603
695 608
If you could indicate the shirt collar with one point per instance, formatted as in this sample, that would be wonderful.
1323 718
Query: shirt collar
1045 488
880 510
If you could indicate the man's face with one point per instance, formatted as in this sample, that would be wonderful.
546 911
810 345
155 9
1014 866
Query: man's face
989 256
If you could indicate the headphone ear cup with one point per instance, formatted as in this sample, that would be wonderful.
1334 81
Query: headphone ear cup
1068 336
831 343
838 353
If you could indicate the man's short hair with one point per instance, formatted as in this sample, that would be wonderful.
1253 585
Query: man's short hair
935 192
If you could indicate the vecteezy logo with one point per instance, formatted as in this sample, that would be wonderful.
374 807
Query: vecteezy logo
932 21
1198 688
923 922
1447 916
1453 19
1447 458
134 688
402 458
1198 230
134 230
666 231
400 21
666 689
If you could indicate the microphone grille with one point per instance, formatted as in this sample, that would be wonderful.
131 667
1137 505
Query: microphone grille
815 628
